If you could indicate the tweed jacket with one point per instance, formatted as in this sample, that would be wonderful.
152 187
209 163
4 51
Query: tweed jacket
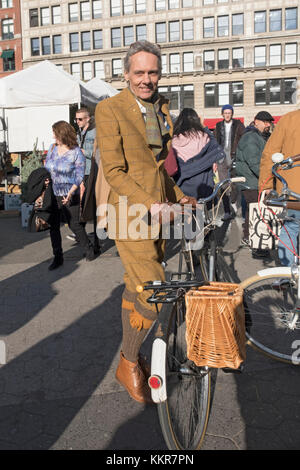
285 139
129 166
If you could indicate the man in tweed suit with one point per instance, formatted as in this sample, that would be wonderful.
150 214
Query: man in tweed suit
134 132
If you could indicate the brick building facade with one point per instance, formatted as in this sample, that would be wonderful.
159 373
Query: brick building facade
10 37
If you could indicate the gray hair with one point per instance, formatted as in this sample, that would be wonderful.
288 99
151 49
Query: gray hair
144 46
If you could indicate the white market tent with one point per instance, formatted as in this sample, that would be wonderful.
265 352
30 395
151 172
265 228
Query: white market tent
36 97
41 85
100 88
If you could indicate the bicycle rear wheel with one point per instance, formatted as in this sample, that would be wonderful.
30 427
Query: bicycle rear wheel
269 301
184 415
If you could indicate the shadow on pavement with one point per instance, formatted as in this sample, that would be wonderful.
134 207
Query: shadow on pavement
43 389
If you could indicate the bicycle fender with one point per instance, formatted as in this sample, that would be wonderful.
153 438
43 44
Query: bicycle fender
280 271
158 367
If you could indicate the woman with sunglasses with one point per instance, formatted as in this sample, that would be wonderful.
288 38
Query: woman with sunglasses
66 165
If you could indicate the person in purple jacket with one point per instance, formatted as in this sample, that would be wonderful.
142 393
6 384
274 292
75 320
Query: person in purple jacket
66 165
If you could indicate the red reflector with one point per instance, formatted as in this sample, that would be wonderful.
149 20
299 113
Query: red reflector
154 381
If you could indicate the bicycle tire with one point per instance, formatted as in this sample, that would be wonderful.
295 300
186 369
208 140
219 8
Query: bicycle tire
267 307
184 415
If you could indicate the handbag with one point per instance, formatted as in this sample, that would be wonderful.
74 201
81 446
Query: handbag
40 223
260 237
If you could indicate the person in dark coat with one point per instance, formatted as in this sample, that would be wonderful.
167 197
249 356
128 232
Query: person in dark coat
196 151
228 133
248 156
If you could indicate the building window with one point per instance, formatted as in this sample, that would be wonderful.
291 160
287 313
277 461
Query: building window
174 4
208 2
174 63
87 70
128 35
160 5
141 32
85 12
116 67
218 94
46 45
8 57
291 15
56 18
238 24
115 7
97 9
45 16
161 32
85 41
164 64
8 28
209 27
260 22
260 56
6 3
209 60
187 30
57 46
33 17
238 93
223 59
290 53
188 96
275 91
128 7
116 37
174 31
187 3
73 12
180 96
275 20
275 54
223 25
75 70
188 62
97 39
35 46
140 6
99 69
237 57
223 93
74 42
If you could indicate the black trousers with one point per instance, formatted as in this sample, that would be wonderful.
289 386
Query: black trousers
96 240
250 195
70 213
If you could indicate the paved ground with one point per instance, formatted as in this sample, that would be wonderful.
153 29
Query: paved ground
62 332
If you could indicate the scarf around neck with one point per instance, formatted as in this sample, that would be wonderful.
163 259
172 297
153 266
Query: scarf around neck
155 126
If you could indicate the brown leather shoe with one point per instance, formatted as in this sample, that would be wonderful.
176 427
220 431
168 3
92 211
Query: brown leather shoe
131 376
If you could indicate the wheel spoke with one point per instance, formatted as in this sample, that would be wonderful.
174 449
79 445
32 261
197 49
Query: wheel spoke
271 309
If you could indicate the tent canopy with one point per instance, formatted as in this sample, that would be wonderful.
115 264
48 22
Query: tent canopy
100 88
41 85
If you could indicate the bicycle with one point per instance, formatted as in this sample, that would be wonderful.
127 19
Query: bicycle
181 390
272 296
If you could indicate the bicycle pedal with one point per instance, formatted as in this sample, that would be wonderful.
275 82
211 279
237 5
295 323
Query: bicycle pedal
228 370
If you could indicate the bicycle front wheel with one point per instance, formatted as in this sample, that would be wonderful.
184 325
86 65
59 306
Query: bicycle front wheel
270 306
184 415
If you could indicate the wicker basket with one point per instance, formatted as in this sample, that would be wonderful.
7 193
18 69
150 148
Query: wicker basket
215 325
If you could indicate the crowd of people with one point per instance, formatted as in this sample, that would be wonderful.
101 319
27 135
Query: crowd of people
148 159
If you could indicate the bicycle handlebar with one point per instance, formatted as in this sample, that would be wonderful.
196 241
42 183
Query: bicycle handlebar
237 179
286 192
